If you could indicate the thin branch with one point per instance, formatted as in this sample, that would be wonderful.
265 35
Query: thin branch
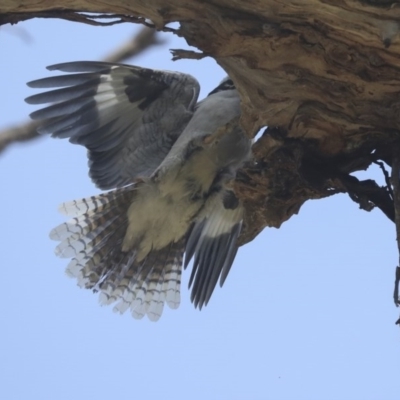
90 19
21 133
141 41
179 54
387 177
396 191
396 297
368 194
146 38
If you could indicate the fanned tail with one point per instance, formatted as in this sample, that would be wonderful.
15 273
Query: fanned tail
93 239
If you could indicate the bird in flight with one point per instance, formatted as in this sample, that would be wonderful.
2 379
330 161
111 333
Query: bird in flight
166 160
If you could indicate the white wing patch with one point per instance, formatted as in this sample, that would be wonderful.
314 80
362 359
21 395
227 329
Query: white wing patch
127 117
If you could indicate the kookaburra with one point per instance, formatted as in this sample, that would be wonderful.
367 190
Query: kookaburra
162 154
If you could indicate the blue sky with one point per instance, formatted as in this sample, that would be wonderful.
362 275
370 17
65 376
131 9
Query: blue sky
306 313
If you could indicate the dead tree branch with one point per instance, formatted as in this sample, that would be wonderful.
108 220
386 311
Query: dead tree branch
20 133
73 16
143 40
325 73
179 54
396 194
396 297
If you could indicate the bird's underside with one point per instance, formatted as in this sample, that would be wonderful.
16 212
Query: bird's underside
157 148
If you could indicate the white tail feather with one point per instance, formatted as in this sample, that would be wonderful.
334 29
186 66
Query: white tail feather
92 239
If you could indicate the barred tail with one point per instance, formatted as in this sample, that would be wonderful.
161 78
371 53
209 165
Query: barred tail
93 239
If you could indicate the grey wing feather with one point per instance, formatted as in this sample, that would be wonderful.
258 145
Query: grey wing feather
213 243
127 117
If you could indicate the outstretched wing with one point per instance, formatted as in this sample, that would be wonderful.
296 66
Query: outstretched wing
127 117
213 243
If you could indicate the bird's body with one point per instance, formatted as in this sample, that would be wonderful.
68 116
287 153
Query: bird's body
162 152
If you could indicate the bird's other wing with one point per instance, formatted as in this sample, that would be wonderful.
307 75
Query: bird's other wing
213 243
127 117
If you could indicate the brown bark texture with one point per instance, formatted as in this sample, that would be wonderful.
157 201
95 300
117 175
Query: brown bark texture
323 75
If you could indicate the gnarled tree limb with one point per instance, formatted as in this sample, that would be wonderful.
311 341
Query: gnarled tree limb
325 72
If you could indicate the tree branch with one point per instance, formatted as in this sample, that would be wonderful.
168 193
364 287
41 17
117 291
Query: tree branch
73 16
179 54
396 297
396 194
20 133
368 195
140 42
325 73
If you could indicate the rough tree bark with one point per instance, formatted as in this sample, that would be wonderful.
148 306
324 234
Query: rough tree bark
324 75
